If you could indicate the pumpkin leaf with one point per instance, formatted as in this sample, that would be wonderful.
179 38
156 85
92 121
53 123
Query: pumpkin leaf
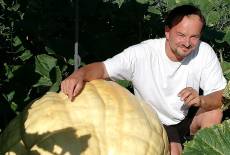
44 64
43 81
25 55
56 80
17 41
214 141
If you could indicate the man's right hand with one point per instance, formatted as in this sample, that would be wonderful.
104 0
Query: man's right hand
73 84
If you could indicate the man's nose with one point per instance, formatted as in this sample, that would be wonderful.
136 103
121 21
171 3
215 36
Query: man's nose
187 42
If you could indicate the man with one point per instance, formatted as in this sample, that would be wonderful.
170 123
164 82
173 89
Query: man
167 73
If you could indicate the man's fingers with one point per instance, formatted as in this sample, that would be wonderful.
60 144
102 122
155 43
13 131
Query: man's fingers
185 95
184 91
189 99
71 85
63 87
77 90
68 87
195 102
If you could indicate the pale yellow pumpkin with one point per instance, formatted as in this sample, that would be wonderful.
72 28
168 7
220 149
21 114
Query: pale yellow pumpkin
105 119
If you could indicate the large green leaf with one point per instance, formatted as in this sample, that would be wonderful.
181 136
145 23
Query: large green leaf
44 64
56 79
210 141
25 55
43 81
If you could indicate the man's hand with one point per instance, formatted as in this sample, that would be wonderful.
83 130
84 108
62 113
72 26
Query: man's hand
190 96
72 85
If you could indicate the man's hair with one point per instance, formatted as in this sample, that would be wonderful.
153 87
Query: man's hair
178 13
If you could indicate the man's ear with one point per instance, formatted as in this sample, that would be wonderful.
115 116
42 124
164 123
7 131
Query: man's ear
167 29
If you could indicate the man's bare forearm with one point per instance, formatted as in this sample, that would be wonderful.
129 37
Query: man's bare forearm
73 84
92 71
212 100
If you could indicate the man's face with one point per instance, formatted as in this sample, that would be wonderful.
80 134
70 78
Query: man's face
182 38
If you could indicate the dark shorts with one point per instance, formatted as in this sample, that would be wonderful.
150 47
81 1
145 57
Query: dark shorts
180 132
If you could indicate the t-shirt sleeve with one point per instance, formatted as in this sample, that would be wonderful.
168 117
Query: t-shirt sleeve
121 66
212 78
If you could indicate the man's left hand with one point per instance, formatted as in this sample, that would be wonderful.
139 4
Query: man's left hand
190 97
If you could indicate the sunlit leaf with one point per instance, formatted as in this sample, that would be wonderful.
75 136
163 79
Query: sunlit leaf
17 41
210 141
25 55
43 81
57 81
44 64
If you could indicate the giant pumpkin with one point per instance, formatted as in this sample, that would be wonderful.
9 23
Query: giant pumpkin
105 119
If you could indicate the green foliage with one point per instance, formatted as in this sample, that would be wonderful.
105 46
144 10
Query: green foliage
214 141
124 83
226 69
37 42
226 99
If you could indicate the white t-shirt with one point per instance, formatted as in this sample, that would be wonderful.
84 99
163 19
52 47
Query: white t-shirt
158 80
